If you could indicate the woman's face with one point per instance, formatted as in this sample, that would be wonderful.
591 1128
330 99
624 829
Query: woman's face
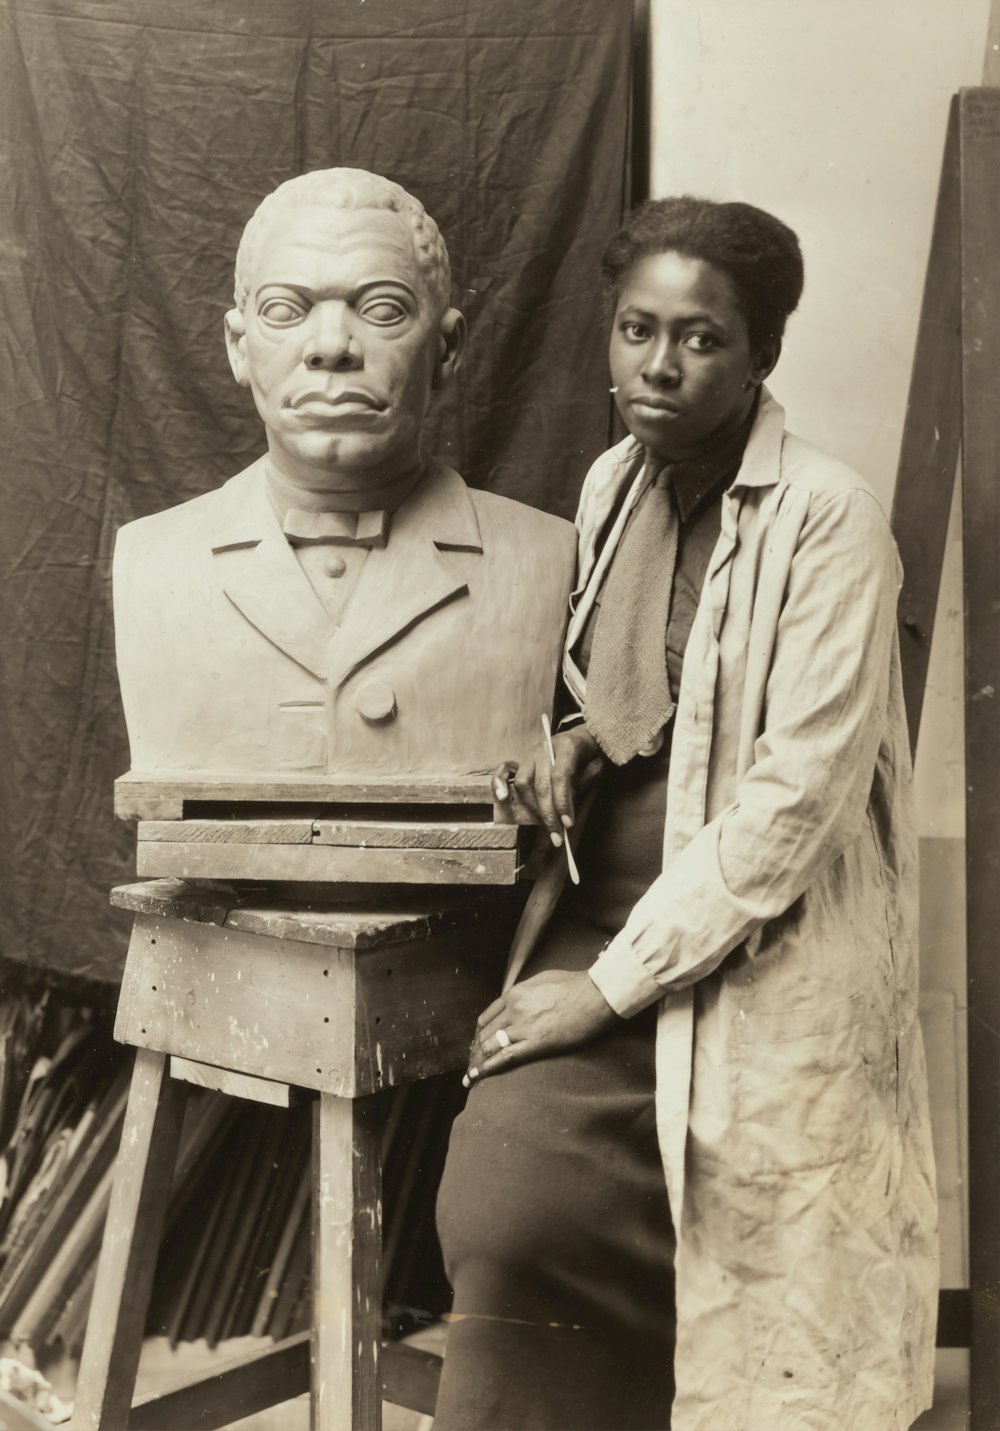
680 355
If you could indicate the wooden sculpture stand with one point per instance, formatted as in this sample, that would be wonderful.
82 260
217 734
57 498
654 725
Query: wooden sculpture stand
258 1001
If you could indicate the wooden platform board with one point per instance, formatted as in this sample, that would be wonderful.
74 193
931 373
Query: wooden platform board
326 863
379 832
140 796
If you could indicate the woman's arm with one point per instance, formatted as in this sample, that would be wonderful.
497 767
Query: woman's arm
799 806
804 798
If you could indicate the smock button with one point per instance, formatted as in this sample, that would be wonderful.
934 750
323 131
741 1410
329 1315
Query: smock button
375 701
335 566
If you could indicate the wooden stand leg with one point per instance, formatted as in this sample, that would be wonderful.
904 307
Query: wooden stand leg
347 1252
131 1243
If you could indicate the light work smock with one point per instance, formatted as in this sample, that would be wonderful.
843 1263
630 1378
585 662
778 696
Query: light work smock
781 942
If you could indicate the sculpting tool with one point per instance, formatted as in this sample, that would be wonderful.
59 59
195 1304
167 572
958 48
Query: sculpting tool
574 873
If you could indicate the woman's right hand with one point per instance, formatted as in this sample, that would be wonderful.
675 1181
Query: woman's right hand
545 791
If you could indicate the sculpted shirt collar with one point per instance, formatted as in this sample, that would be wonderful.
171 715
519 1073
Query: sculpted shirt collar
440 506
310 517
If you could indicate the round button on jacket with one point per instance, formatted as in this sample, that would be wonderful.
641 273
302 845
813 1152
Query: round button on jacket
335 566
375 700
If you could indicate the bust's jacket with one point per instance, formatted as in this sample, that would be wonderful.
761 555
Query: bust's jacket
781 944
444 659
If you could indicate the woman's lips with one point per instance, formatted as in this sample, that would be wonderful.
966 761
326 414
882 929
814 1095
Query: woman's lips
658 407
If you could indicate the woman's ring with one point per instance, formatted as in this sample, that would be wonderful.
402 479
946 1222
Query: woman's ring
503 1038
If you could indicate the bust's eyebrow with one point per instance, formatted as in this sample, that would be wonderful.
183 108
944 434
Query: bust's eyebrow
356 291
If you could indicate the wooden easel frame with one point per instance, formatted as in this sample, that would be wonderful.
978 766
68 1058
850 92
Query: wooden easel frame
953 406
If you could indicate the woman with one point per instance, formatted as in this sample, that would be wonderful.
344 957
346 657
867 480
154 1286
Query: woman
715 1043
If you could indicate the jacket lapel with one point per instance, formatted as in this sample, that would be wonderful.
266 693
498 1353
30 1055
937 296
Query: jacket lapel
412 576
261 576
761 467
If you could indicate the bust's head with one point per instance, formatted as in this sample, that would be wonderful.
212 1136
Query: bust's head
342 327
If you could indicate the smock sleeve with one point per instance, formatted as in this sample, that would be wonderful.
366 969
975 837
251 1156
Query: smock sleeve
804 798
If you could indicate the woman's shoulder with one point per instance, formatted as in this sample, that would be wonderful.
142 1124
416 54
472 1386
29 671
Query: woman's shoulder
820 475
606 475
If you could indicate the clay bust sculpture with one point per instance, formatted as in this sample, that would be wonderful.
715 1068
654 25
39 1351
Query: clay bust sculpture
344 606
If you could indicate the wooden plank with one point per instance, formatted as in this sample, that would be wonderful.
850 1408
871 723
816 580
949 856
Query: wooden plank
67 1215
416 1014
293 1012
131 1242
379 834
239 1387
351 927
146 796
291 1212
347 1247
173 896
414 834
980 150
271 1376
49 1291
229 832
258 1005
378 917
410 1377
236 1085
328 864
931 437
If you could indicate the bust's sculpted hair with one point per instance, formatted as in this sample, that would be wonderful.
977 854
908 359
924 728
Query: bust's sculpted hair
349 189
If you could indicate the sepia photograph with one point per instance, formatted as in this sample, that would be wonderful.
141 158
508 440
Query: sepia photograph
500 618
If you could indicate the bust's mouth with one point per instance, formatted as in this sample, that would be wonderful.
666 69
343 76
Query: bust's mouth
349 399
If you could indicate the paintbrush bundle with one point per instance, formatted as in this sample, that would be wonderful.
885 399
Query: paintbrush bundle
235 1260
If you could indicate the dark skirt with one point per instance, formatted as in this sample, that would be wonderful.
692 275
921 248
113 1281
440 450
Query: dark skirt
556 1233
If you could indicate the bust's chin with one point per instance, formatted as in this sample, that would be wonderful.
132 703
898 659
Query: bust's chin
348 462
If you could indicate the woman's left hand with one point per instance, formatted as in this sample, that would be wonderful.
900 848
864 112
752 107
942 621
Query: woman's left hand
549 1012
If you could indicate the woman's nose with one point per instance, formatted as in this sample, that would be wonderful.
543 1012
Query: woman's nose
662 362
330 341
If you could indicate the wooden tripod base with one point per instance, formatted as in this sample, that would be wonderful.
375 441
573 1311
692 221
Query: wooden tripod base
357 1033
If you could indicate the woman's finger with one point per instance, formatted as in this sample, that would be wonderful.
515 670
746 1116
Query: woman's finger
517 1051
501 780
491 1012
578 761
533 788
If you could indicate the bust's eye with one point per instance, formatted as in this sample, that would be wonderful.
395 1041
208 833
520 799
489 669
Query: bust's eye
281 310
382 311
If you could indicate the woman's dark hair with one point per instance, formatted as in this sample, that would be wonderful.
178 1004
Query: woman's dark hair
758 253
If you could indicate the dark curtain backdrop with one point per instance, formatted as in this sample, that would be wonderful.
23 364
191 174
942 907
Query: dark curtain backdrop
137 137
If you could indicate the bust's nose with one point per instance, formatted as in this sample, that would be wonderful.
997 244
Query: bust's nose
330 343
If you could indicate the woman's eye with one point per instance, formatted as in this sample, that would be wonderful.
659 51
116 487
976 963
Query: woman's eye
382 311
635 332
701 342
281 310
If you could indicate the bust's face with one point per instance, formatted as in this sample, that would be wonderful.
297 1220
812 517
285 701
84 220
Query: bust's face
341 343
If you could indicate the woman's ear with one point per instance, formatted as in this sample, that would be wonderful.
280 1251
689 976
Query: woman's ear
236 339
452 334
764 361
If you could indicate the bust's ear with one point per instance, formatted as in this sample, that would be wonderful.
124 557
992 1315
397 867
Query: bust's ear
452 334
236 341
